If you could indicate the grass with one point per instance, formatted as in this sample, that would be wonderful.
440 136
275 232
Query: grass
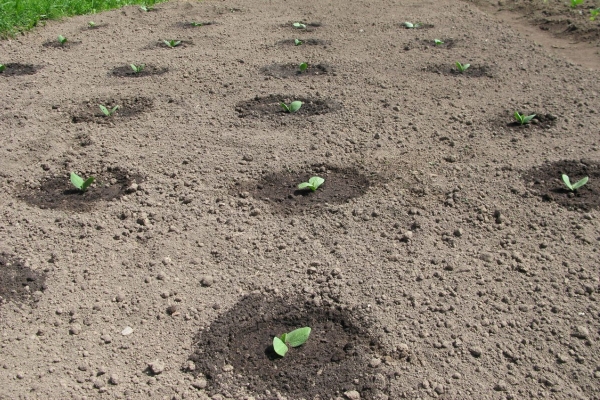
17 16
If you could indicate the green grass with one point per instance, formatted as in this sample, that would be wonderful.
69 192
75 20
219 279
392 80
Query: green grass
22 15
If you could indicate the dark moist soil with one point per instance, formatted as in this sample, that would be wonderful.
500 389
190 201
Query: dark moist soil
280 190
18 282
305 42
449 69
127 72
426 44
420 26
163 45
93 28
89 111
546 181
55 44
15 69
335 358
291 70
269 106
57 192
540 121
189 25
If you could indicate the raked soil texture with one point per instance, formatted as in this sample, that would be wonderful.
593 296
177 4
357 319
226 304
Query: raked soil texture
442 258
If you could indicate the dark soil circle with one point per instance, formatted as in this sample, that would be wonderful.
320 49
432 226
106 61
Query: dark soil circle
163 45
127 72
292 71
15 69
305 42
89 111
55 44
540 121
545 180
280 189
190 25
57 192
270 106
333 360
449 69
17 281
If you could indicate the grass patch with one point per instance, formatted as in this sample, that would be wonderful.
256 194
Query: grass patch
18 16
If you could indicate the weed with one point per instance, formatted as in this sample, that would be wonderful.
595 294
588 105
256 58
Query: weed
303 67
137 68
62 40
299 25
594 13
297 42
2 67
410 25
108 111
576 185
80 183
437 42
522 118
295 338
91 24
292 108
312 184
172 43
462 67
575 3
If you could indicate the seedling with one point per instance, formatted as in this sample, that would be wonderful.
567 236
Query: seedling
312 184
146 8
295 338
410 25
523 119
575 3
292 108
80 183
196 23
299 25
303 67
91 24
438 42
2 67
172 43
297 42
137 68
462 67
594 13
62 40
576 185
108 111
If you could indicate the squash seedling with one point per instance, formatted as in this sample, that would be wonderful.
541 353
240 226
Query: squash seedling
437 42
312 184
62 40
522 118
292 108
575 3
576 185
462 67
137 68
295 338
172 43
299 25
146 8
91 24
2 67
297 42
410 25
108 111
303 67
80 183
594 13
196 23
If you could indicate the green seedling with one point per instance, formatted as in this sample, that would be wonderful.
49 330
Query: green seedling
295 338
303 67
575 3
297 42
299 25
438 42
62 40
522 118
146 8
594 13
196 23
292 108
2 67
91 24
137 68
462 67
80 183
410 25
108 111
576 185
312 184
172 43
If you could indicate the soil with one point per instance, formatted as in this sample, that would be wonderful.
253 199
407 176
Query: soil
128 72
442 257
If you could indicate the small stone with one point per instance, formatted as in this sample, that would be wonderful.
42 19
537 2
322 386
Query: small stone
120 297
127 331
352 395
75 329
114 379
375 362
439 389
106 339
581 332
156 367
227 368
207 280
458 232
562 358
500 386
172 310
475 351
247 157
161 276
199 383
20 375
456 375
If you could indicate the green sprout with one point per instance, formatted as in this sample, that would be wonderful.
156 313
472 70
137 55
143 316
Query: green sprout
196 23
299 25
576 185
2 67
303 67
312 184
146 8
295 338
410 25
172 43
292 108
91 24
62 40
437 42
575 3
462 67
137 68
297 42
80 183
522 118
108 111
594 13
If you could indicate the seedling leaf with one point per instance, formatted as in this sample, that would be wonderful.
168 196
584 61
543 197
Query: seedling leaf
299 25
285 107
303 67
297 42
409 25
575 3
279 346
79 183
299 336
196 23
462 67
594 13
2 67
91 24
295 106
172 43
522 118
137 68
62 39
312 184
106 111
437 42
576 185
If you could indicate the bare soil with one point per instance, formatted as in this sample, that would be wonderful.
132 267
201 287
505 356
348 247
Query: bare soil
442 257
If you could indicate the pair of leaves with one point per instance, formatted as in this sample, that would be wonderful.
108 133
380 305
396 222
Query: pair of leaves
312 184
462 67
294 338
108 111
575 185
575 3
523 119
91 24
437 42
410 25
293 107
61 39
172 43
80 183
137 68
299 25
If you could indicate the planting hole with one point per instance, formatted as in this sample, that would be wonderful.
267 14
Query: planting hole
89 111
18 282
269 106
15 69
292 70
128 72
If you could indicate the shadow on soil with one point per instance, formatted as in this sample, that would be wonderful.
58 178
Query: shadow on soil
305 42
546 181
89 111
335 359
17 281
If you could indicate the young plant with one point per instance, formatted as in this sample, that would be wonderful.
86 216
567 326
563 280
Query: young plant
462 67
522 118
295 338
172 43
576 185
80 183
312 184
438 42
146 8
62 40
2 67
137 68
297 42
410 25
594 13
91 24
575 3
108 111
196 23
292 108
303 67
299 25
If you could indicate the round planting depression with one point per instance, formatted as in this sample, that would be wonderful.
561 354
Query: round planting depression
15 69
272 107
461 69
296 70
137 71
110 110
18 282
